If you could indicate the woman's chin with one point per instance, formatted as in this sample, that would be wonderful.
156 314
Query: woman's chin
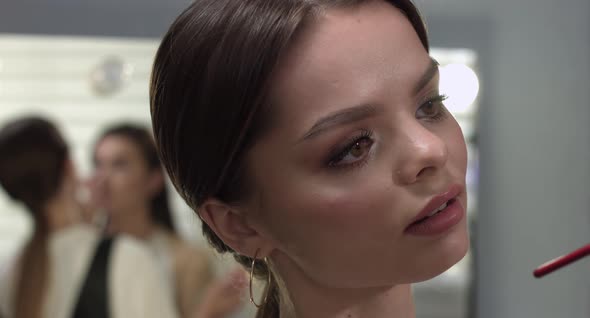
444 261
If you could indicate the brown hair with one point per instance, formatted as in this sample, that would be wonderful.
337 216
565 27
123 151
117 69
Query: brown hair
209 90
160 211
32 163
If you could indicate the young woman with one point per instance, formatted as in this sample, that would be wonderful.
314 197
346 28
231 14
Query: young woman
55 274
311 139
129 186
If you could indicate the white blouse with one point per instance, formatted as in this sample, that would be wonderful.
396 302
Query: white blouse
136 285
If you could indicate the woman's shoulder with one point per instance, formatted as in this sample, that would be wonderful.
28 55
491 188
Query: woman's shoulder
190 254
184 249
193 269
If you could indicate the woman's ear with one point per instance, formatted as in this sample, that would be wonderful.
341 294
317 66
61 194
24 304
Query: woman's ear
232 227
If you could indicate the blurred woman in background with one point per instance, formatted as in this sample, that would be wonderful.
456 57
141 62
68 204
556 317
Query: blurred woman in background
60 272
129 186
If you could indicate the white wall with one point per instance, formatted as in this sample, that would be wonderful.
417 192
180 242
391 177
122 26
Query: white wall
539 161
535 153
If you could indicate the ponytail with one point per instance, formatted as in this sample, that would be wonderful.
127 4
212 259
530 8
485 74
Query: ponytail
270 308
33 278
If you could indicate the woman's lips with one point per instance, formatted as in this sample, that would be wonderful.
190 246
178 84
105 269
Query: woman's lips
440 222
440 214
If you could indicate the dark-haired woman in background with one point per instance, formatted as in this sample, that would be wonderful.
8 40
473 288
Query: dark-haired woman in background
129 185
311 138
54 275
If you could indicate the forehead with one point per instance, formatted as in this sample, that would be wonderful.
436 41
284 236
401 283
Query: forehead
347 57
115 145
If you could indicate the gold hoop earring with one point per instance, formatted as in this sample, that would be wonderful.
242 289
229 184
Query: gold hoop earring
252 278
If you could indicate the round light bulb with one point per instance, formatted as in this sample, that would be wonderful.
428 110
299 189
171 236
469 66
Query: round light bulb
460 83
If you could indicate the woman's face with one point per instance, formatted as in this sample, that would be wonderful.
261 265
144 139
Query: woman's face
359 146
121 176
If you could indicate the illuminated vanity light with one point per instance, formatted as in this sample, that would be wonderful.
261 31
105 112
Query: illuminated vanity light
460 83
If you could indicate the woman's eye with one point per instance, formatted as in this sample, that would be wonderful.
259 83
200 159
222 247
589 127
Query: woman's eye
353 153
432 109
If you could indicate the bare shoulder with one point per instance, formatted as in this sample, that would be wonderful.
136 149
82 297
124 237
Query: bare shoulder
194 271
188 254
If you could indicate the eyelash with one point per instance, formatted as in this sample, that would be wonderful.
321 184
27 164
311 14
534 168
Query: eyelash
341 152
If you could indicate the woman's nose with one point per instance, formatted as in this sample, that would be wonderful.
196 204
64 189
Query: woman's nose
423 155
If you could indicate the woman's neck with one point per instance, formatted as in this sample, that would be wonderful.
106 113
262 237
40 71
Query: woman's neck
395 301
137 223
308 299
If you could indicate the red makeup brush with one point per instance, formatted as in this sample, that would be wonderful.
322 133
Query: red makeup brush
561 261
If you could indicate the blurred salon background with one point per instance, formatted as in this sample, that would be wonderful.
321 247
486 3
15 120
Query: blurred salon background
517 73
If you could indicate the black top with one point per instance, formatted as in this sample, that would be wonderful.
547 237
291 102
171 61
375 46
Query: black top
93 299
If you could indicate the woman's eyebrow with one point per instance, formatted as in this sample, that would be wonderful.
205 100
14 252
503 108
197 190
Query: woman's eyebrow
341 117
427 76
356 113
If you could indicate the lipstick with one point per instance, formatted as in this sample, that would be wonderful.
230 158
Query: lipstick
440 214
